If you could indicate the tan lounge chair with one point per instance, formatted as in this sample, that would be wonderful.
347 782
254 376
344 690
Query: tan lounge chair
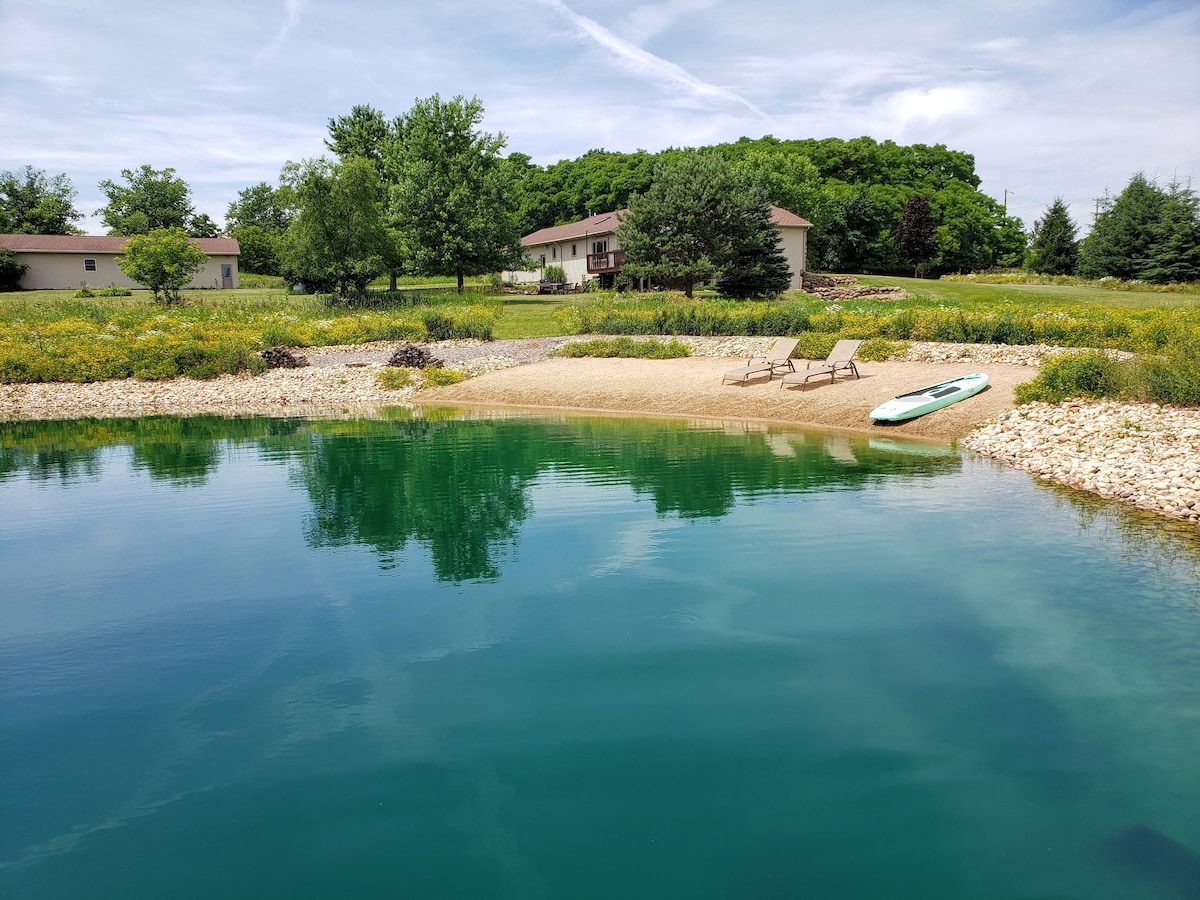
840 359
778 359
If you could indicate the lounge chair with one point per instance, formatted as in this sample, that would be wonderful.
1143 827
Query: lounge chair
778 359
841 359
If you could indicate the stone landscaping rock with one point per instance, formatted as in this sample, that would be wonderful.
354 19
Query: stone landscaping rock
414 356
282 358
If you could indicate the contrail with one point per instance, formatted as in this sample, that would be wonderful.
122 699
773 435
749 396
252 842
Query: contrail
292 8
646 65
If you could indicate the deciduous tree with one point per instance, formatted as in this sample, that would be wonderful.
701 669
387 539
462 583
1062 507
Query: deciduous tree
454 198
33 203
12 270
163 260
258 219
150 199
337 240
915 238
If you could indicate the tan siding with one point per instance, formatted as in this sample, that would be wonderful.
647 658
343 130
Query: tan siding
65 271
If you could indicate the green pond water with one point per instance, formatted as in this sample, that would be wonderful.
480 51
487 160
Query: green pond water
452 655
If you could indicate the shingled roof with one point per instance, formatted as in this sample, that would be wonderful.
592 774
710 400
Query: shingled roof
607 223
100 243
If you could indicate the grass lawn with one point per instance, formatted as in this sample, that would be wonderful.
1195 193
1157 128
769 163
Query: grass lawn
966 292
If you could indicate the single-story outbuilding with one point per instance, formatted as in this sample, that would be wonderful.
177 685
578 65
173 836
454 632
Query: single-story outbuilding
589 248
63 261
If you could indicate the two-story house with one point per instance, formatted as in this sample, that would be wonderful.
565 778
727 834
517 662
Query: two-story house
589 248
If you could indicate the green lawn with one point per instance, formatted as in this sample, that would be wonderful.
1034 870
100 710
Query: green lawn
965 292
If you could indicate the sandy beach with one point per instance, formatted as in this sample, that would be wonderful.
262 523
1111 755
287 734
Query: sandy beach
693 387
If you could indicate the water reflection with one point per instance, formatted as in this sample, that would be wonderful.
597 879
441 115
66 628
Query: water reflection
460 486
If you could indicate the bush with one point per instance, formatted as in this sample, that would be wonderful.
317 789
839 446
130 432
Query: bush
394 379
554 273
84 292
113 291
625 347
1172 378
11 270
1090 374
435 377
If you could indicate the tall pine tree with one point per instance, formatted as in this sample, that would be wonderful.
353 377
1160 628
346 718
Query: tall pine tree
1123 234
759 267
1053 249
1174 255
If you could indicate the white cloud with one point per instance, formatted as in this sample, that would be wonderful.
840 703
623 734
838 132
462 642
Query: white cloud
644 65
1057 98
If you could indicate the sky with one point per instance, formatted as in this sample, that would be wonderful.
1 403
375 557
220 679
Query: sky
1053 98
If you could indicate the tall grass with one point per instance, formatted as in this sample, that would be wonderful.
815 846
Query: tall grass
48 338
1135 330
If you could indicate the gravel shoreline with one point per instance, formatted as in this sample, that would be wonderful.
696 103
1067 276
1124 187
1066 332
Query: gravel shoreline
1142 455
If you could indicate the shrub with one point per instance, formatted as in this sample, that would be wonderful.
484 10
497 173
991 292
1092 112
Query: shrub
394 379
554 273
83 292
627 348
113 291
12 270
879 349
435 377
1091 373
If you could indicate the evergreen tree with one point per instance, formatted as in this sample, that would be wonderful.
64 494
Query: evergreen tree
759 267
1174 255
1124 232
915 239
1053 249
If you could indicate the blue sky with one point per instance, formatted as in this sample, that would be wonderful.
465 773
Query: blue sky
1055 98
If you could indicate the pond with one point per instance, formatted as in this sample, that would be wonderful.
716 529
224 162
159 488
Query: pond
492 655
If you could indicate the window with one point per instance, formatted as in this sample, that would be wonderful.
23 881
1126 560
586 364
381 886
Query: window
554 253
572 249
89 265
543 260
600 247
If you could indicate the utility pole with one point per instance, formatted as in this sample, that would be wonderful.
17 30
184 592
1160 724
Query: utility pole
1006 201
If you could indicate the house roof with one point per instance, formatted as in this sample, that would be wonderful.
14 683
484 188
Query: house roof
782 218
607 223
601 223
100 243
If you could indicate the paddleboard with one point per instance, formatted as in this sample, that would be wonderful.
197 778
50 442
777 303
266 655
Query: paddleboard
927 399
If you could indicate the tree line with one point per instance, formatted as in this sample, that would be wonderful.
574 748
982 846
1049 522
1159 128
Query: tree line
427 192
1146 233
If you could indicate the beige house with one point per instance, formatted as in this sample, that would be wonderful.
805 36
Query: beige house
589 248
62 262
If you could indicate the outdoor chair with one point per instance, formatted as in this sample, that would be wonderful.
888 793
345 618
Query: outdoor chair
840 359
778 359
